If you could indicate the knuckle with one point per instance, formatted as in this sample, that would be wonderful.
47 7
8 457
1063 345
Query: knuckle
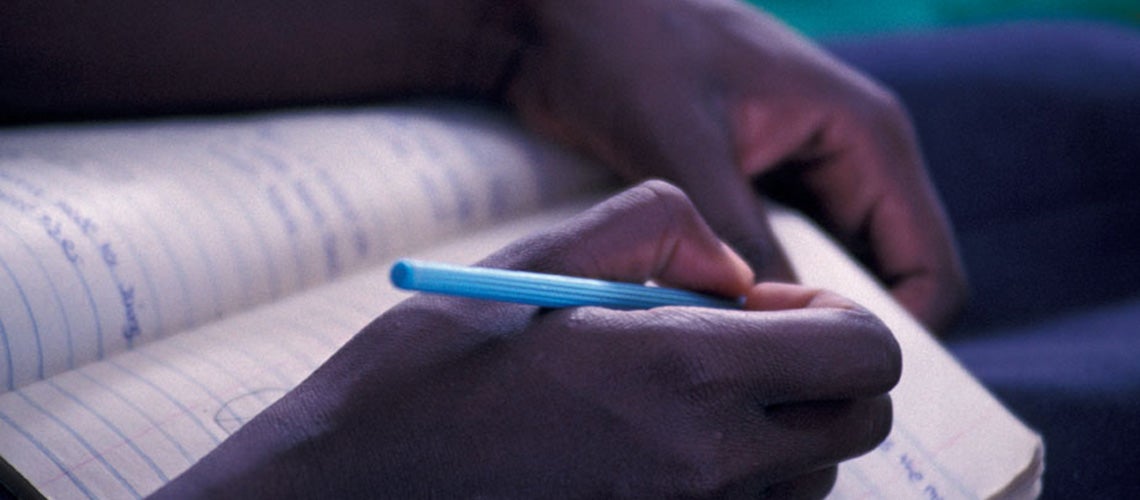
876 111
667 196
656 204
670 210
885 108
878 345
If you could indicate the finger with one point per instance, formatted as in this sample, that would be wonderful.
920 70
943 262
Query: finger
783 450
821 353
738 215
923 271
691 148
863 178
733 405
816 484
824 433
649 232
841 148
786 451
901 221
691 144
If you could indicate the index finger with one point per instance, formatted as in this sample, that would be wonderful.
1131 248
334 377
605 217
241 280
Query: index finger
829 350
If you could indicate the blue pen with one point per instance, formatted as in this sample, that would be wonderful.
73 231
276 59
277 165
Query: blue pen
544 290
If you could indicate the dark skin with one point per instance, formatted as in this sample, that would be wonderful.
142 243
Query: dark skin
454 397
710 94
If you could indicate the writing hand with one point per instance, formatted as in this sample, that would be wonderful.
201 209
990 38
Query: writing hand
445 396
711 94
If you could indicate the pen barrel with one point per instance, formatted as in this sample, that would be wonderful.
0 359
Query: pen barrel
544 290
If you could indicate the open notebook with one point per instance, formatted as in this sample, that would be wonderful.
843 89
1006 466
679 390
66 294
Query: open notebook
161 282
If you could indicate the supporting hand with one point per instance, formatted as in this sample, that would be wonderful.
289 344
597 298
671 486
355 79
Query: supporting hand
712 94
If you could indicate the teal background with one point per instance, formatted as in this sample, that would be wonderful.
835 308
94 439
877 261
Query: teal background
822 18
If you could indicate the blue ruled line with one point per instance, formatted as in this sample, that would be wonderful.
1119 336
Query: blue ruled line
48 454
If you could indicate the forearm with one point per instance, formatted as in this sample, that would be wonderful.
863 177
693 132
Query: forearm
138 57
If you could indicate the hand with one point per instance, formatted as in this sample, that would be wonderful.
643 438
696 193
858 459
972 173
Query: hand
447 397
712 93
706 93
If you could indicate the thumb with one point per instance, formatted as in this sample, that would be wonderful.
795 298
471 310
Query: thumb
649 232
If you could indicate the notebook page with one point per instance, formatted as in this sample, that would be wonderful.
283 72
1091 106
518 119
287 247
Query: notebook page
115 234
122 427
951 438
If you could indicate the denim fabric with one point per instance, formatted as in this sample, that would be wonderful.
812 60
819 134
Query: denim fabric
1031 132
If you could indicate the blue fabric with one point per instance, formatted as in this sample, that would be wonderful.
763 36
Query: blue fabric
1032 135
1076 378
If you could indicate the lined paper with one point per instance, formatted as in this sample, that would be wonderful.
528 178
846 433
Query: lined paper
113 235
157 409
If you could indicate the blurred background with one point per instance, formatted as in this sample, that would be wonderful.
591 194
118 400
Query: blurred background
1028 113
